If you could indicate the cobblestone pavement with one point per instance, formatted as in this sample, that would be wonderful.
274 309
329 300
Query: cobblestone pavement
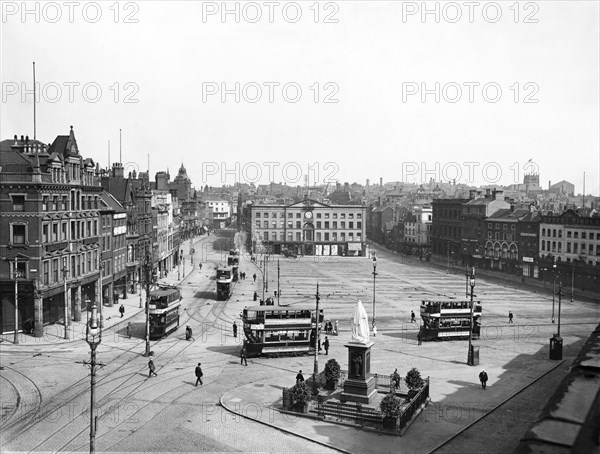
167 413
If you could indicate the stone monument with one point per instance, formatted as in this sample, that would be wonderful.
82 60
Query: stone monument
360 384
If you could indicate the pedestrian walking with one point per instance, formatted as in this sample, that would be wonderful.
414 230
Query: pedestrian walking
419 338
483 378
122 310
396 379
412 317
199 374
254 277
255 296
326 345
374 330
234 330
299 377
510 317
243 356
151 369
129 330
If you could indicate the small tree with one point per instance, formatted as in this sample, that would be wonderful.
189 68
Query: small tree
300 394
390 405
332 371
413 379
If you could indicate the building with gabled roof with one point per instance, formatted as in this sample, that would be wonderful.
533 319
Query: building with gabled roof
49 200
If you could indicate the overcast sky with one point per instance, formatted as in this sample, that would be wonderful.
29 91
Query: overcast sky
332 89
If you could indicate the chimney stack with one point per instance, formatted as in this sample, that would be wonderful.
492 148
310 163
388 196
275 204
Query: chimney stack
549 184
381 182
367 178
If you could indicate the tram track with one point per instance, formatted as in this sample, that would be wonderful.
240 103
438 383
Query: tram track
119 383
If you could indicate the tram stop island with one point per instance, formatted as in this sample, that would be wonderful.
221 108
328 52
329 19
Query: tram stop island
367 400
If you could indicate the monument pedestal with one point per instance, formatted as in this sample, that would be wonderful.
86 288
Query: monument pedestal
360 385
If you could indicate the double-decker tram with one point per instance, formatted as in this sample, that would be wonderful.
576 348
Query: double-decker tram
275 330
449 319
233 260
164 311
224 282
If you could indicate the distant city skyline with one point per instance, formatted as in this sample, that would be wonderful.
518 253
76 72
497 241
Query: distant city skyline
340 91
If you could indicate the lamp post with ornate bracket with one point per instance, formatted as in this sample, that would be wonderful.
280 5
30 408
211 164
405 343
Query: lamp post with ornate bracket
65 272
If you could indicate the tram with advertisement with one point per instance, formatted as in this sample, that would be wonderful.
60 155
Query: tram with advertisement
449 319
281 330
163 308
224 283
233 260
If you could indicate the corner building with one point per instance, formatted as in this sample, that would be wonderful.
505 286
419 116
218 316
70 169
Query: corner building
49 230
309 227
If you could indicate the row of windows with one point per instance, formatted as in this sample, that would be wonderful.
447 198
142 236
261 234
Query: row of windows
57 231
108 244
56 203
317 215
572 248
53 271
320 236
497 226
570 234
505 236
325 225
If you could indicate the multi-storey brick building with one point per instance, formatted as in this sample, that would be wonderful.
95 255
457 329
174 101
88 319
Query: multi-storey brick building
135 195
572 243
113 246
446 238
511 241
49 222
309 227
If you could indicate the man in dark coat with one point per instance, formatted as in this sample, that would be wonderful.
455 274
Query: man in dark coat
243 356
199 374
299 377
234 330
254 277
483 378
326 345
122 310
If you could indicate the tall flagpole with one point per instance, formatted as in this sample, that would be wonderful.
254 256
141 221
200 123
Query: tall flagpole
34 104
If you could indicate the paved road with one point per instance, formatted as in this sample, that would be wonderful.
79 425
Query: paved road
167 413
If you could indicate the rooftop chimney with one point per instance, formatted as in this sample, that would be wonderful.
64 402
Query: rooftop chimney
380 182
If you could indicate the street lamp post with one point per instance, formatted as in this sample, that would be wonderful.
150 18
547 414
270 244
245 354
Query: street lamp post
65 271
470 359
374 275
560 293
572 278
147 265
316 364
93 338
278 276
553 288
16 275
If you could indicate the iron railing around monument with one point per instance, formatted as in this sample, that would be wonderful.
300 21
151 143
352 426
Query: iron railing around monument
411 408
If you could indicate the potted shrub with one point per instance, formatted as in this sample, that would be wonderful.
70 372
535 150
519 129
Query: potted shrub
301 396
414 382
390 406
332 374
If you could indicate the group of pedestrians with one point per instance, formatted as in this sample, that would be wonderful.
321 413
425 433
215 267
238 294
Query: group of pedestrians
243 276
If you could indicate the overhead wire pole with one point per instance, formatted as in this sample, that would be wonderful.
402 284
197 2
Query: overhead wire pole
16 276
147 269
278 276
316 364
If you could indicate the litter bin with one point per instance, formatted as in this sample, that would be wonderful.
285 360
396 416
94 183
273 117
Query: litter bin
556 344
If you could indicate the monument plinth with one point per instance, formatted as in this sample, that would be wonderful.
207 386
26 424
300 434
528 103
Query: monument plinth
360 384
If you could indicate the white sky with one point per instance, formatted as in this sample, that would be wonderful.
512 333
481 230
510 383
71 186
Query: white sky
366 57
